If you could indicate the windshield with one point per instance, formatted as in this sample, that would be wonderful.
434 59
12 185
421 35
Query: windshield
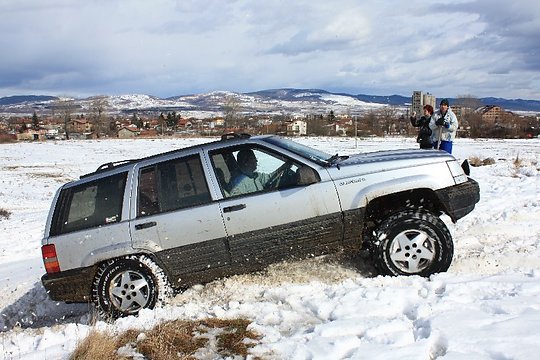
299 149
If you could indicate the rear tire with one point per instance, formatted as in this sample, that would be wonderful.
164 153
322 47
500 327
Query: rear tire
127 285
412 242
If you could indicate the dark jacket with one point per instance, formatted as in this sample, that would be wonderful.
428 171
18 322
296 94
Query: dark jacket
424 133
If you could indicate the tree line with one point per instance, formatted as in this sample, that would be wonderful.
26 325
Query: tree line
383 121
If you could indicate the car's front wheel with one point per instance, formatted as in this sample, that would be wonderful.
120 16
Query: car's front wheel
412 242
127 285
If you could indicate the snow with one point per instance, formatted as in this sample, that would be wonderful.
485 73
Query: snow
487 306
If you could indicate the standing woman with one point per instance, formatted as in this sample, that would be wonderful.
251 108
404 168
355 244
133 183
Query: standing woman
424 133
444 124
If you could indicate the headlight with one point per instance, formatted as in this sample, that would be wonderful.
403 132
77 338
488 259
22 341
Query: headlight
456 171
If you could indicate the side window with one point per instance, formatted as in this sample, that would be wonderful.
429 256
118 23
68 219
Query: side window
251 169
172 185
148 195
88 205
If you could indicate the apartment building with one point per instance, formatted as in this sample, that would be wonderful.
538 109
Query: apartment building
419 99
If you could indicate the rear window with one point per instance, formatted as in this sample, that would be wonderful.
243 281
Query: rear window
89 205
172 185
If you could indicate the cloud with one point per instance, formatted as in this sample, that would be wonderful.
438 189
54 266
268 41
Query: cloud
169 47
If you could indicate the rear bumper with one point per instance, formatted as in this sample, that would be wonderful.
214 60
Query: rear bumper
70 286
460 199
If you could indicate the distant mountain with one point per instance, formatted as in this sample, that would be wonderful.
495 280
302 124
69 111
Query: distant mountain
12 100
272 101
514 104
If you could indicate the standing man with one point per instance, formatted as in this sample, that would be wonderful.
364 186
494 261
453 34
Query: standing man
444 125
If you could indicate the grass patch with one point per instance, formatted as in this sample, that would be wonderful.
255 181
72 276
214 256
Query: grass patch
476 161
4 213
96 346
176 339
517 162
4 139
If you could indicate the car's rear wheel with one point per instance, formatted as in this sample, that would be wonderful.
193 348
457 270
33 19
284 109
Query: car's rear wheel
412 242
125 286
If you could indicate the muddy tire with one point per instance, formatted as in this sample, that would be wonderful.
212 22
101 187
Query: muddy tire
412 242
127 285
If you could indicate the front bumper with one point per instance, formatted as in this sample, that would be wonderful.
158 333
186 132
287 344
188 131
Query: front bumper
460 200
70 286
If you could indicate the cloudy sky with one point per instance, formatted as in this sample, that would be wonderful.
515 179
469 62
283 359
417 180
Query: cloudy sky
167 47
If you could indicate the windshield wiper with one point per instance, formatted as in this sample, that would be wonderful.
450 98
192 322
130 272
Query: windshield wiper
336 158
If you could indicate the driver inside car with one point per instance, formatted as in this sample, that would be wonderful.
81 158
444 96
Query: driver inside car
249 180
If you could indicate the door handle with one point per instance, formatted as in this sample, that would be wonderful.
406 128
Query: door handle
145 225
234 208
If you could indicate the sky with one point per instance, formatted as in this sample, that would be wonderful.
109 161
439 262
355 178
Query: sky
484 308
167 48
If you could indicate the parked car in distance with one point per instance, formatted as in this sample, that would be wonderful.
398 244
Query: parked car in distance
127 235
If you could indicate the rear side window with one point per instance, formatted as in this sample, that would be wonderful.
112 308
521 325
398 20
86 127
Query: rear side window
172 185
89 205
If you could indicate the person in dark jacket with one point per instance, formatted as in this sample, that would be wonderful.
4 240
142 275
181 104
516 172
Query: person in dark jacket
424 133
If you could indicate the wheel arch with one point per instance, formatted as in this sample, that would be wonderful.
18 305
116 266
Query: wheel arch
135 254
381 207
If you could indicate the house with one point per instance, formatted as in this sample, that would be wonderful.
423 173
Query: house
341 127
296 128
148 133
491 113
219 122
30 135
184 124
80 126
127 132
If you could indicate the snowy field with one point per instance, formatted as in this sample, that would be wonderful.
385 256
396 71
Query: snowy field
487 306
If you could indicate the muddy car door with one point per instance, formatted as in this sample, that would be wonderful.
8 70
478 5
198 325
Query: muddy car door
275 207
176 218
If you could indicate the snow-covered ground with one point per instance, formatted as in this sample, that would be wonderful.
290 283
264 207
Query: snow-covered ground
487 306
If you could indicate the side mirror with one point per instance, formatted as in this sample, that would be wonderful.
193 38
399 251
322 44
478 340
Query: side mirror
465 167
306 176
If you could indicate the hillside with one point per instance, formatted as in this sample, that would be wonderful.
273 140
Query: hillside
273 101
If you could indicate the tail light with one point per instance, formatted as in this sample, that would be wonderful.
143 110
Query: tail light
49 259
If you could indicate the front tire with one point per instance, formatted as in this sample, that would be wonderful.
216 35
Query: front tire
127 285
412 242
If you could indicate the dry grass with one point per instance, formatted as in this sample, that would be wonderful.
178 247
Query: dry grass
96 346
176 339
4 139
476 161
517 162
4 213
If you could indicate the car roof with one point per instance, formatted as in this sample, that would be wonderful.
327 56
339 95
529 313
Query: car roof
229 138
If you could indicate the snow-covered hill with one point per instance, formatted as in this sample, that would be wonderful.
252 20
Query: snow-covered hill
204 105
485 307
283 101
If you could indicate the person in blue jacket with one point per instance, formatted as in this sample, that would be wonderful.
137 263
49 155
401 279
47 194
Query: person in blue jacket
443 125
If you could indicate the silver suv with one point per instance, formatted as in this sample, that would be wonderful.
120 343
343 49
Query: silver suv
129 233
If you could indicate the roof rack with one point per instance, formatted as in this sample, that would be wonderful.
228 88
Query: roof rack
234 135
108 166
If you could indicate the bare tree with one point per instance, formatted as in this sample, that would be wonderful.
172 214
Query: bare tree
64 107
316 125
98 114
368 124
231 108
474 124
388 117
468 101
